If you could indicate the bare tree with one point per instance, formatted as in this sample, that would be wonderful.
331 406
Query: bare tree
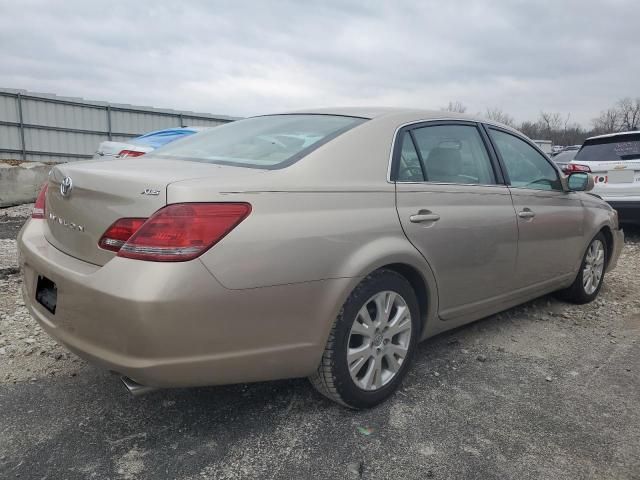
607 122
530 129
456 106
566 127
497 115
550 122
555 127
629 111
558 127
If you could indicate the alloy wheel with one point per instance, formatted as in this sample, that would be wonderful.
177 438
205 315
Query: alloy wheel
379 340
593 267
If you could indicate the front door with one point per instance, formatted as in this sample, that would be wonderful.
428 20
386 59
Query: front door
456 213
550 220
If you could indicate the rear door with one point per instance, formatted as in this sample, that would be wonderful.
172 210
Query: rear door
615 163
455 211
550 220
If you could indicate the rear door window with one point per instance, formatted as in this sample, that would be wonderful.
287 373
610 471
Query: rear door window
453 154
618 148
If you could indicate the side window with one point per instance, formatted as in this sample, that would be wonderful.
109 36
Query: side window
409 169
454 154
526 167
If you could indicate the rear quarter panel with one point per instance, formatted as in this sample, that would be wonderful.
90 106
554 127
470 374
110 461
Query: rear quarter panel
299 237
292 237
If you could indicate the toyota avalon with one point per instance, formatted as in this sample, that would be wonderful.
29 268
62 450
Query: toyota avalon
322 244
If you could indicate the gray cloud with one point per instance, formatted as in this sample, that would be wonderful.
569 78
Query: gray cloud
243 58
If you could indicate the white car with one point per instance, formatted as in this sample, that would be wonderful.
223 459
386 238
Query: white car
614 161
144 144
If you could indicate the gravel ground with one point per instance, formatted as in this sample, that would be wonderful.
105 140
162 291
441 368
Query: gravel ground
544 390
26 352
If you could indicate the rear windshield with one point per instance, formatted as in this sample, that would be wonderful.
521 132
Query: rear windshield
618 148
271 141
565 156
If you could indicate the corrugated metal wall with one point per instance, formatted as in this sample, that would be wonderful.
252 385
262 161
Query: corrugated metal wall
49 128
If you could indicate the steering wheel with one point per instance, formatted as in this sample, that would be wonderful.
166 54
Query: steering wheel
411 173
540 181
273 141
470 178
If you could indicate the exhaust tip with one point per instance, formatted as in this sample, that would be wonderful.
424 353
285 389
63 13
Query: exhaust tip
135 388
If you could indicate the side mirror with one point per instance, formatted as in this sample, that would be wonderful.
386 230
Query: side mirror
580 182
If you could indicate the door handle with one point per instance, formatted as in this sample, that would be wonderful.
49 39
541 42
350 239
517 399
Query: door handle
526 213
424 216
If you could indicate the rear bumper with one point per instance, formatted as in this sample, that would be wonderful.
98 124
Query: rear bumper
173 324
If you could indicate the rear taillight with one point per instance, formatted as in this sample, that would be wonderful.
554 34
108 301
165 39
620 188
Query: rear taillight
119 232
178 232
575 167
130 153
39 207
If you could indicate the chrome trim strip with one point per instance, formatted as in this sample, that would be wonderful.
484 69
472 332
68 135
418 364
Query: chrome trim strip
174 251
456 184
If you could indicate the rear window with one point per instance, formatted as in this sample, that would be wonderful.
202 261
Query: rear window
272 141
565 156
618 148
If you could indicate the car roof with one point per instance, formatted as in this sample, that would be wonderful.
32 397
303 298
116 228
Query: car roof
408 114
609 135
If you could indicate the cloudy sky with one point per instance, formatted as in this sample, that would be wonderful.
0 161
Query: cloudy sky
243 58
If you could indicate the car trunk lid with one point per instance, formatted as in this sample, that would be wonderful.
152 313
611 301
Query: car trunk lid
102 192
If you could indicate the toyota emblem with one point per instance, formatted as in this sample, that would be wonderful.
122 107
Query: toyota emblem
66 186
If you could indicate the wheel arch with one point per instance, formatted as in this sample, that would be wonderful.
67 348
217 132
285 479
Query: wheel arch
608 236
420 287
397 254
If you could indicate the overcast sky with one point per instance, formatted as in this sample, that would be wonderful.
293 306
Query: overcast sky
244 58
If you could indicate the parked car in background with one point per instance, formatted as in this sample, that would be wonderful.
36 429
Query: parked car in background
571 148
545 146
145 143
562 159
564 156
556 149
325 243
614 161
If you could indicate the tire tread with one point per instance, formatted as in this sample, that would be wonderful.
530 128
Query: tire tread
575 292
323 379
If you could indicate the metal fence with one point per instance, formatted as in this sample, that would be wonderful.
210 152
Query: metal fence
49 128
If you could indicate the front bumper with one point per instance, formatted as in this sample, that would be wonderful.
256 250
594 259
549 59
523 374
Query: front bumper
628 210
174 324
618 244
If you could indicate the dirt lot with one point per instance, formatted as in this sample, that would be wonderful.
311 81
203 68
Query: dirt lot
545 390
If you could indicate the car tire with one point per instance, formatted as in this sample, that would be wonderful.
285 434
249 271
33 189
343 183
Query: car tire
365 383
581 291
